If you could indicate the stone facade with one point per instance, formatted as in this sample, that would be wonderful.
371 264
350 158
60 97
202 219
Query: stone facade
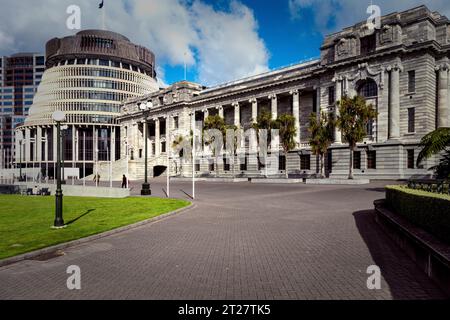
401 68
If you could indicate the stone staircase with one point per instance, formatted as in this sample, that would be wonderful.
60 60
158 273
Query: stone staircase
136 168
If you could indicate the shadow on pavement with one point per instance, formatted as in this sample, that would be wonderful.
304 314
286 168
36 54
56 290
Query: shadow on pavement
403 276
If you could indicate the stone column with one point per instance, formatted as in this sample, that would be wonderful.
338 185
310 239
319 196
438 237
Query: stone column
39 144
254 103
394 97
168 133
144 134
94 144
443 95
205 114
74 144
45 156
237 114
157 138
318 103
296 113
113 144
221 111
27 145
337 132
274 106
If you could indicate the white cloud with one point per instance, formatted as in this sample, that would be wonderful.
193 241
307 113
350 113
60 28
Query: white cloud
222 44
333 15
228 43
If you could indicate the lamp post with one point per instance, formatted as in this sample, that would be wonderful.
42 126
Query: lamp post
58 117
145 107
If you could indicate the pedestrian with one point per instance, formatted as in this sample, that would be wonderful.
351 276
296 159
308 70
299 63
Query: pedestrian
124 182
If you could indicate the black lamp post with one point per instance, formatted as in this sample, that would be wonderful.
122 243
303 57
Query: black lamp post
58 117
145 107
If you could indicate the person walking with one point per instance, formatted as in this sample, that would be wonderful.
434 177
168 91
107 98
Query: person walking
124 182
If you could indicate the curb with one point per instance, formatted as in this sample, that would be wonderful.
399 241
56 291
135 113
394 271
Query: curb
40 252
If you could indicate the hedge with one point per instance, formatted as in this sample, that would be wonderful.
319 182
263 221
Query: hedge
427 210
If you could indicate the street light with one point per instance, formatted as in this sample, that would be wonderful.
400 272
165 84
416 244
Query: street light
58 117
145 107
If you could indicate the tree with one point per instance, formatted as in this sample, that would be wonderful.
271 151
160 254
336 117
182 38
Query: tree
215 122
287 131
354 116
234 145
264 122
180 143
434 143
321 130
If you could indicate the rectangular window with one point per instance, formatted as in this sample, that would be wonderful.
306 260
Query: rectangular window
197 167
163 147
411 159
357 160
368 44
211 166
411 120
331 95
226 164
175 123
243 165
371 159
282 163
305 162
412 81
40 60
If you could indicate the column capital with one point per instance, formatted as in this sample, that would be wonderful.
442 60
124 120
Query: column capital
443 66
272 96
337 78
395 67
294 92
252 100
235 104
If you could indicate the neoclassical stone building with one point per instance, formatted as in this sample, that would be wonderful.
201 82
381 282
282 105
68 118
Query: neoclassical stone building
401 68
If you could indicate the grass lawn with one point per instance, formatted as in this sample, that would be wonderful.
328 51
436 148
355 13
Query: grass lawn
25 222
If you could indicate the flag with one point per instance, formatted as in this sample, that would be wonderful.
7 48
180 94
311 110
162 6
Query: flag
100 6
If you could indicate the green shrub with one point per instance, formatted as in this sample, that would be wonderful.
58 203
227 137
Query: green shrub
425 209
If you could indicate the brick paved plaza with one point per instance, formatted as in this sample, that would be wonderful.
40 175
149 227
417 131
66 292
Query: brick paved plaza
240 241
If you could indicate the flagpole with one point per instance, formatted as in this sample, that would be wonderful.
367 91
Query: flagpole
103 19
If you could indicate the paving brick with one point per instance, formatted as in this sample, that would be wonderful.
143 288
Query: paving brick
241 241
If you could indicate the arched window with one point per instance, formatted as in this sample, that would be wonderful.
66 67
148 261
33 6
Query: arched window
368 89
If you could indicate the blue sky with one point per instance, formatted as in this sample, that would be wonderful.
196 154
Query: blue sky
287 40
221 40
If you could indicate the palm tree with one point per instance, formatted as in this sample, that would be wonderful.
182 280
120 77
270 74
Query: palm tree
218 123
321 130
286 124
179 143
234 147
264 122
434 143
354 116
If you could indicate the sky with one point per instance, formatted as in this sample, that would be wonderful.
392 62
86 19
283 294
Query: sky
220 41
